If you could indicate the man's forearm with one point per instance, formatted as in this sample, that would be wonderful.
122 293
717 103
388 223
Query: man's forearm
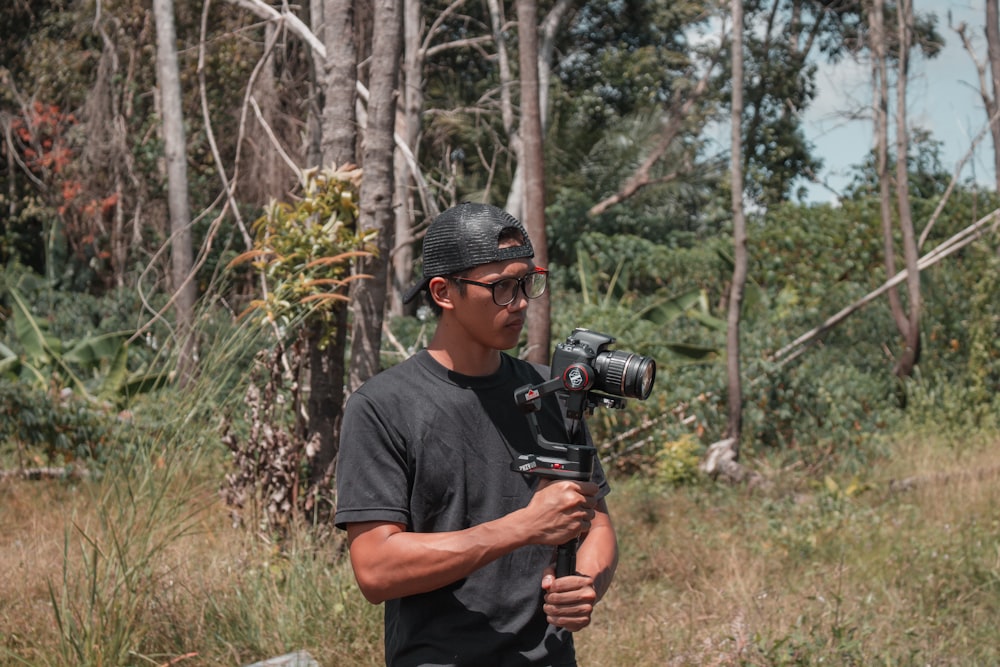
392 563
597 556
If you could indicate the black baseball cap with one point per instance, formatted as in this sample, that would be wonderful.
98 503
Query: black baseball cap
465 236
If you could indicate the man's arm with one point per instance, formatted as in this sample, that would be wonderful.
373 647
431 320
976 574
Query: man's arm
390 562
597 556
570 600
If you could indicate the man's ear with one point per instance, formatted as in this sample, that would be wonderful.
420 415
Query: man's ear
440 290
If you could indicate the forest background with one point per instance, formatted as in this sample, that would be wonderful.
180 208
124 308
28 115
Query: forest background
209 210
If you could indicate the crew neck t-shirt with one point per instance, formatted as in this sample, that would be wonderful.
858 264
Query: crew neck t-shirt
432 449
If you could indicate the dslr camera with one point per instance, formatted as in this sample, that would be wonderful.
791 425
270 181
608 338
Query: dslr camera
586 374
584 363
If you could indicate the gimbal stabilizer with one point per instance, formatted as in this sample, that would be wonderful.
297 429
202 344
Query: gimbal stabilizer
563 461
579 364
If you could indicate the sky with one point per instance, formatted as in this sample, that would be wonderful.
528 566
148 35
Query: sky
943 98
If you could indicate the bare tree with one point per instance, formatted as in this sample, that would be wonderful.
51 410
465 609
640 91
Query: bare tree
722 456
989 90
368 297
993 53
549 28
410 184
409 112
906 324
338 83
880 110
175 150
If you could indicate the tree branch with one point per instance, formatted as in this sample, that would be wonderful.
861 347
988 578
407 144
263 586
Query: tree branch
641 177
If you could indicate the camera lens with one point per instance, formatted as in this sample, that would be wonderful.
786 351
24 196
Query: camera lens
625 374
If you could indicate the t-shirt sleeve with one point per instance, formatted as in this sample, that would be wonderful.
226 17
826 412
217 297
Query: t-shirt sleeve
372 479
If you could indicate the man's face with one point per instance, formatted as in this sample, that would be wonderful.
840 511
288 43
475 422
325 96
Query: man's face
487 324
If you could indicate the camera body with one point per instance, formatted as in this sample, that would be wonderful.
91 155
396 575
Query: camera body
585 363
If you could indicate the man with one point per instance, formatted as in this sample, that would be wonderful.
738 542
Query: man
440 528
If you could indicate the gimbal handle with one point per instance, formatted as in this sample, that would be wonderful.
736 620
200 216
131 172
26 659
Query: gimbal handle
566 558
567 461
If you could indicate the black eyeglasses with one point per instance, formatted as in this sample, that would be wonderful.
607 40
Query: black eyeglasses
505 289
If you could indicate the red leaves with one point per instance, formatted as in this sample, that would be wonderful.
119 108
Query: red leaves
43 143
41 130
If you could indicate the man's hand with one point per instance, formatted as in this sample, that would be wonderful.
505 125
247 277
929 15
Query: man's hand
569 601
561 510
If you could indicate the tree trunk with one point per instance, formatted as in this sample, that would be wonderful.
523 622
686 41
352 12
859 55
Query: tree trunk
533 159
911 353
880 97
339 136
339 83
368 297
409 116
993 103
739 236
175 152
546 49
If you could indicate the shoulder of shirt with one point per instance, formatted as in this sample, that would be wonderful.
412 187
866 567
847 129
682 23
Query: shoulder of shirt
390 377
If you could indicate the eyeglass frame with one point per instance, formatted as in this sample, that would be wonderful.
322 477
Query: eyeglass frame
520 284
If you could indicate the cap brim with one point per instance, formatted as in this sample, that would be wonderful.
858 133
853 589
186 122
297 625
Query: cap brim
409 295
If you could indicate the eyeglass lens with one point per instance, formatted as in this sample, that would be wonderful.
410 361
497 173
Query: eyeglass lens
533 284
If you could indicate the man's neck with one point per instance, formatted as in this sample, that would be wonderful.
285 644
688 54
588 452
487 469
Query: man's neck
461 356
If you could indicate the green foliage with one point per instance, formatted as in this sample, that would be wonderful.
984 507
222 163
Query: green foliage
955 407
831 405
677 462
648 266
95 367
928 177
304 251
68 373
681 212
984 323
38 427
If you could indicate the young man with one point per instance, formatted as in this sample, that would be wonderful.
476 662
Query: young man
440 528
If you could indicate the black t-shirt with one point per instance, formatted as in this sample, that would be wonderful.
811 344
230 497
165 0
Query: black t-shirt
431 449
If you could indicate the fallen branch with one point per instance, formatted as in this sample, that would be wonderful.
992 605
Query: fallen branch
949 247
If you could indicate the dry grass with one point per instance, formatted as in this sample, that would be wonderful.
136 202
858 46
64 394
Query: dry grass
831 574
797 574
32 521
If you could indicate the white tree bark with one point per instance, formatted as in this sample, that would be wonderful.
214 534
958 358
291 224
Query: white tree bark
175 152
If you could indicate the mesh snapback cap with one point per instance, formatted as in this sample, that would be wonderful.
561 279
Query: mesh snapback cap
465 236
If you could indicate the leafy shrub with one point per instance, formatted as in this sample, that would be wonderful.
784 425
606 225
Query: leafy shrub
58 429
677 461
955 410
